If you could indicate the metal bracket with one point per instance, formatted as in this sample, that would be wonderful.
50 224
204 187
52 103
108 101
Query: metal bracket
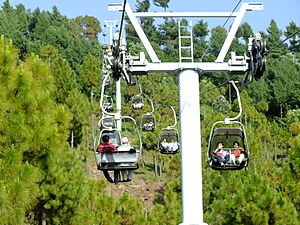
153 56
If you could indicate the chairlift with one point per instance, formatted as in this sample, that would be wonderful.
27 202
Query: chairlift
106 80
137 102
107 122
122 157
168 142
113 134
148 122
106 101
133 80
228 132
108 104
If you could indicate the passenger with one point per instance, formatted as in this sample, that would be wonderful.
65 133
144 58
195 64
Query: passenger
222 155
106 146
145 126
237 153
126 174
151 126
165 145
173 145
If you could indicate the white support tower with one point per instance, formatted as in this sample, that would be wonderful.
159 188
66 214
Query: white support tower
110 24
192 202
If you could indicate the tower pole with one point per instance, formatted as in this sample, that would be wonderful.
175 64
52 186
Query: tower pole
190 140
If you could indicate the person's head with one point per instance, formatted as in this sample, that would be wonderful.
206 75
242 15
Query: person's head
105 138
220 145
236 144
125 140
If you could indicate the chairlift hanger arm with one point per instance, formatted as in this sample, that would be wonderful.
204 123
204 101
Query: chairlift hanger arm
141 90
175 118
151 103
136 130
227 120
102 97
152 106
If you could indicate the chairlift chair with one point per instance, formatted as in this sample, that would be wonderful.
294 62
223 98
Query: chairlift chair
107 82
133 80
227 135
113 134
124 157
107 122
168 142
148 122
137 102
108 104
227 132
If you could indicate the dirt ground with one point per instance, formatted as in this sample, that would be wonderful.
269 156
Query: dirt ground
147 192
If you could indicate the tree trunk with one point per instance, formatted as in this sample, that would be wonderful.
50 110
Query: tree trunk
155 165
72 139
266 150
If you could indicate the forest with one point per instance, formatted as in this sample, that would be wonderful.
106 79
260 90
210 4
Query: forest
51 76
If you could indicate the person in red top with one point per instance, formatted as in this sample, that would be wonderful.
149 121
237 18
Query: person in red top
237 153
106 146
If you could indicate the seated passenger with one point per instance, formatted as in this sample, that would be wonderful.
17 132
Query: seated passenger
145 126
151 126
173 145
237 153
126 174
222 155
106 146
165 145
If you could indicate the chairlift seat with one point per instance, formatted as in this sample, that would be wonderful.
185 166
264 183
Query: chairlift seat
126 157
148 122
168 141
227 135
137 102
108 122
114 136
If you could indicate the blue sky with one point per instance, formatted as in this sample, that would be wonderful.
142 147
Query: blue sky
281 11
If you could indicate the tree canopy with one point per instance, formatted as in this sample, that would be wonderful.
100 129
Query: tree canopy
51 76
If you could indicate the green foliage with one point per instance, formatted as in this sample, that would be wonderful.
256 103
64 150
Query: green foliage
87 26
200 32
89 72
65 78
45 107
294 40
218 35
31 31
239 201
162 3
273 40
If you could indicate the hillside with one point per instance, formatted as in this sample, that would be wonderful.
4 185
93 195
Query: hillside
50 81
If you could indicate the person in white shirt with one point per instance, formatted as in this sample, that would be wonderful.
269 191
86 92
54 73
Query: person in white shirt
126 174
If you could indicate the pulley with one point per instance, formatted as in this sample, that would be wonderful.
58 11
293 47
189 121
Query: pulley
256 54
